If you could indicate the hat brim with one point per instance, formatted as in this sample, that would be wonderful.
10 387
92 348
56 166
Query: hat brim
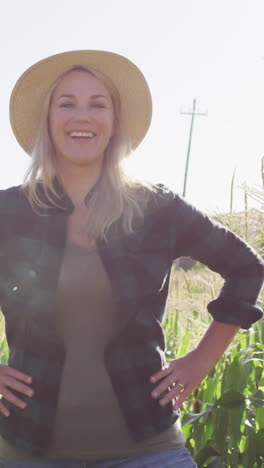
29 93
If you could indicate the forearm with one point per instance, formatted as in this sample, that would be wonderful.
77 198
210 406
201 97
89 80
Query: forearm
183 374
216 340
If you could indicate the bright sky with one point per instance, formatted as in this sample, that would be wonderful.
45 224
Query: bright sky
211 50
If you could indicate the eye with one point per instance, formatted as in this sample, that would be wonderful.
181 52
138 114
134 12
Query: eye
99 105
66 104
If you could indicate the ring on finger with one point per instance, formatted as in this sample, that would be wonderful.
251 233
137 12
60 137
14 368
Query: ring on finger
180 385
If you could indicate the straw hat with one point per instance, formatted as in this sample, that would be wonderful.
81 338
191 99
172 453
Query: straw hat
31 88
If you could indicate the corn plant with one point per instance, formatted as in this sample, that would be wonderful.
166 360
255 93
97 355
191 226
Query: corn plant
225 427
223 420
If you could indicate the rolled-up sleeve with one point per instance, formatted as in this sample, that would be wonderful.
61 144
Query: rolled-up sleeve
194 234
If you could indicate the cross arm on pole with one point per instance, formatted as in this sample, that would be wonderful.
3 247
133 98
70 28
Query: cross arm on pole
195 113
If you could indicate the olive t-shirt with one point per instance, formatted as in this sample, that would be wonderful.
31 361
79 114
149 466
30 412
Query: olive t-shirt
89 423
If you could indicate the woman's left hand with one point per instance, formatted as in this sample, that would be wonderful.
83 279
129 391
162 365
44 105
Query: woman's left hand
181 376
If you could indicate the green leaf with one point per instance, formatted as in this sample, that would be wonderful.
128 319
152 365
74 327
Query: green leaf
199 436
253 347
208 426
249 456
231 400
184 344
260 442
205 453
4 352
210 388
220 425
216 463
190 418
257 399
235 421
259 415
187 430
258 374
237 375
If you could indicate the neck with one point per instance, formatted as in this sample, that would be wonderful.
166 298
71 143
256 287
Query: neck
78 181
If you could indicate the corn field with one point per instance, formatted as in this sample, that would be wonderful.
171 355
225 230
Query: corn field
223 420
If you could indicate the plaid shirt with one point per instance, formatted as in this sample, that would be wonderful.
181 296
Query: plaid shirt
138 265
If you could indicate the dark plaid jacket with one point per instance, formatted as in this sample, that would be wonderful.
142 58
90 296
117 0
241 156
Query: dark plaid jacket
138 265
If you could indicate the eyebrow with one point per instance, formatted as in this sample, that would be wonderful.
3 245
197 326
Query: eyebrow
94 96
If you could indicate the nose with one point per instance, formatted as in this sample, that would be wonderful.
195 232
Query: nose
83 113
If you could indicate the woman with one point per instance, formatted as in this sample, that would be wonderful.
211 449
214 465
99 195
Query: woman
86 258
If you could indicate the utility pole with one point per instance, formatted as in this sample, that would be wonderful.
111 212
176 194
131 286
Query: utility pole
193 114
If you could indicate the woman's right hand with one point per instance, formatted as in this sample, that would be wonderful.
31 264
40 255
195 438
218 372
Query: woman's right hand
11 378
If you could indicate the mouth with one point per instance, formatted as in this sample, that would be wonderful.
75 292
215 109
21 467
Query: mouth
81 135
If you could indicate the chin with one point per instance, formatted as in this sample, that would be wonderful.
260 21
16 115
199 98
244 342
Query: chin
80 160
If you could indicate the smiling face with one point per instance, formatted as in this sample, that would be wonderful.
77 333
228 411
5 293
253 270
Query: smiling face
81 119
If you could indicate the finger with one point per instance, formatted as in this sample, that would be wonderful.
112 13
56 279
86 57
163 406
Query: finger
9 396
171 395
16 385
3 409
160 374
180 400
16 374
163 386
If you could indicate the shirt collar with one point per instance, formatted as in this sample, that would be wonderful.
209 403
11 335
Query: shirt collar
60 204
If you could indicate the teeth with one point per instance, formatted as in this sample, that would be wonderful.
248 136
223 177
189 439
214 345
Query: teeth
82 134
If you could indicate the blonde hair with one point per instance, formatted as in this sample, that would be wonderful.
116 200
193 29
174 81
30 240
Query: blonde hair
117 195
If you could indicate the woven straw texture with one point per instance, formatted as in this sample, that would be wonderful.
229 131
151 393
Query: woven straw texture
31 88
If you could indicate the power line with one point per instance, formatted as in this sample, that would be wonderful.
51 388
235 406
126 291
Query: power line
193 114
